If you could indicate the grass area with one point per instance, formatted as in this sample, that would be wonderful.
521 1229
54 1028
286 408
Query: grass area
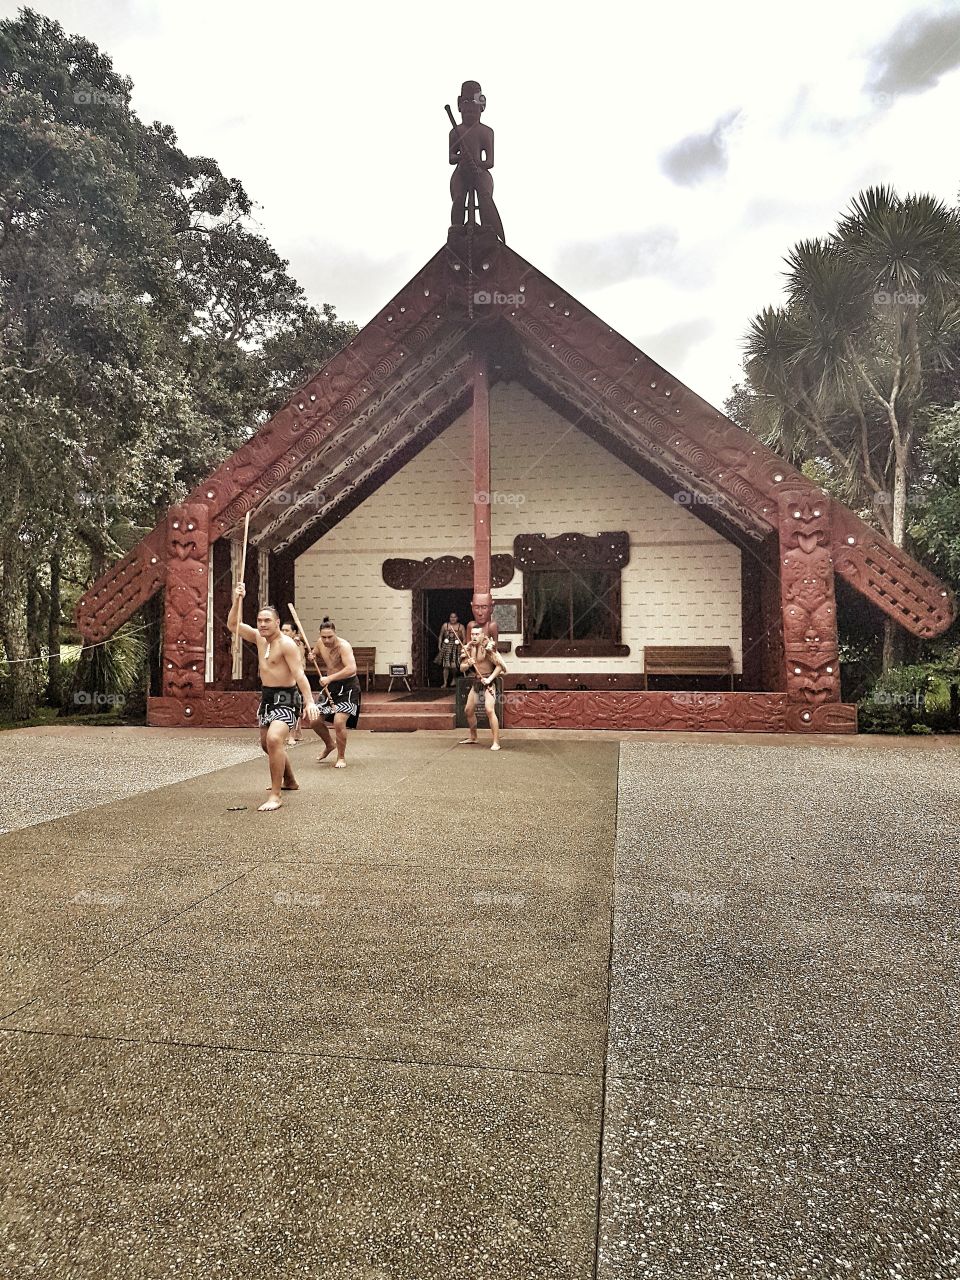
51 715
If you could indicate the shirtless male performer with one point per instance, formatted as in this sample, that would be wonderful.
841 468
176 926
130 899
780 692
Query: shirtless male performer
480 657
285 690
335 655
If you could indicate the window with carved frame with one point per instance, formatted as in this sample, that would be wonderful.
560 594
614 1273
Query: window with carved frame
571 594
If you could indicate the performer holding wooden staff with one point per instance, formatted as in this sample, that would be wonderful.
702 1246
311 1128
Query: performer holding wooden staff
285 692
481 654
343 688
325 698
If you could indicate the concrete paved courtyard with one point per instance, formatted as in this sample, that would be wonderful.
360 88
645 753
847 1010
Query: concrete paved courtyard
615 1005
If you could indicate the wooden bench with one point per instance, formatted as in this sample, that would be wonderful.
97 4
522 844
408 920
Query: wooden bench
366 662
687 660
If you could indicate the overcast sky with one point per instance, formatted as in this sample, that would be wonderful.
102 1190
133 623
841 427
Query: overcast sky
658 161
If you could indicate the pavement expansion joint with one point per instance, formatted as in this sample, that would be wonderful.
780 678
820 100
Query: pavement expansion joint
254 1050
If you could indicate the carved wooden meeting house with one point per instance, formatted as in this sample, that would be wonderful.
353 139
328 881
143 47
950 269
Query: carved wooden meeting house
486 442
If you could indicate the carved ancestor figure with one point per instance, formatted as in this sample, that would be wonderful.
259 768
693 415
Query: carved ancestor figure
482 608
471 150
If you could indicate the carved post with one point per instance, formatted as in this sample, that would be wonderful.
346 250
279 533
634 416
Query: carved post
807 599
482 503
185 602
222 601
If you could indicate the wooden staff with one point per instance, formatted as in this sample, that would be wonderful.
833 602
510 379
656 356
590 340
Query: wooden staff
316 666
489 646
237 642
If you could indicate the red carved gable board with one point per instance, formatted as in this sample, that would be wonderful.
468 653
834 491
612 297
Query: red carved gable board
568 349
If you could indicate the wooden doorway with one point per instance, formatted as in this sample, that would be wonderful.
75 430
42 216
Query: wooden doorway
432 607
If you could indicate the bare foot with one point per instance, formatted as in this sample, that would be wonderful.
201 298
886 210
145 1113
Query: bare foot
320 759
495 746
468 742
341 764
269 805
287 786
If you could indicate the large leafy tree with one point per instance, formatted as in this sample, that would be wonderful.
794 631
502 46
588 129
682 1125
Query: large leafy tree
843 376
146 327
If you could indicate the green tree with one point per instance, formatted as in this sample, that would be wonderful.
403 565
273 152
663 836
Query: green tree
146 327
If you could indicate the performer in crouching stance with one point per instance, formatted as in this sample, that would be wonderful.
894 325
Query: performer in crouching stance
481 661
285 692
335 655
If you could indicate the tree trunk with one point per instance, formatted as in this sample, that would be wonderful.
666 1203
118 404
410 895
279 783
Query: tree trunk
892 644
13 628
899 518
54 674
892 631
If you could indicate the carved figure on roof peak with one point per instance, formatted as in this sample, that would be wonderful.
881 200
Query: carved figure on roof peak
471 151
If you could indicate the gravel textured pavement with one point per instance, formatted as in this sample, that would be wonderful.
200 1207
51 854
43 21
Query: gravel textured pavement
628 1007
54 770
783 1074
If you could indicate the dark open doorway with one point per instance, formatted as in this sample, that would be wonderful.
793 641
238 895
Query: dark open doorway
437 603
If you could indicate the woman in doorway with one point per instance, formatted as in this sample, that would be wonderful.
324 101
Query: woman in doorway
452 632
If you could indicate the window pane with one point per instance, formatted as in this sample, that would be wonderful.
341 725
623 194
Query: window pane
548 604
591 613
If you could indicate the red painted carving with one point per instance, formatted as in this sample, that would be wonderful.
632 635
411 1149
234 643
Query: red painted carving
185 602
685 434
681 712
444 571
811 655
889 577
481 484
212 709
122 590
645 406
605 551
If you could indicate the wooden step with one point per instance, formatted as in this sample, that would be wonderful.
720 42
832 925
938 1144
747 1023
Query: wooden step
412 717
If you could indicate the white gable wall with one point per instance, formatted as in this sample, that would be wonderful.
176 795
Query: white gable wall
682 585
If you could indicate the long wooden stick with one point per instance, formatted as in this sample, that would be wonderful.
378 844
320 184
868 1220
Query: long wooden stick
487 647
316 665
237 641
